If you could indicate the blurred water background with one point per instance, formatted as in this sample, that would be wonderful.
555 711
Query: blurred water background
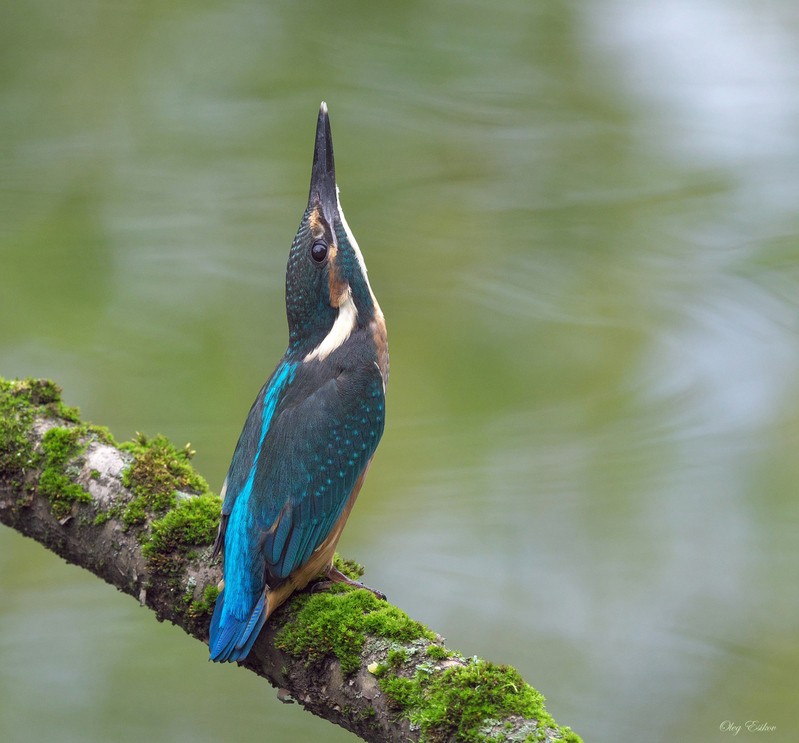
581 221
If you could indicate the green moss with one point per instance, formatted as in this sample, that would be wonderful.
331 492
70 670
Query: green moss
454 704
397 657
18 403
59 446
437 652
67 413
193 521
204 607
181 510
338 621
36 392
44 391
101 433
402 693
350 568
569 736
21 401
158 470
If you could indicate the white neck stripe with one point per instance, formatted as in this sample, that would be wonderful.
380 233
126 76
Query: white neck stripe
345 323
354 243
351 238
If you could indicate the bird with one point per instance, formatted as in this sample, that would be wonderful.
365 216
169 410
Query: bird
310 435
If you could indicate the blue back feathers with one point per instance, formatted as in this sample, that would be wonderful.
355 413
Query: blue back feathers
307 439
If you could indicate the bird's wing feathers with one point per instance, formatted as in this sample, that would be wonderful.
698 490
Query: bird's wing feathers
247 452
313 454
306 442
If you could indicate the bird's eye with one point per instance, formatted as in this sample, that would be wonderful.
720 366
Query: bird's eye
319 251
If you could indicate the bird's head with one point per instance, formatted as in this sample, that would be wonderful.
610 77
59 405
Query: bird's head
327 290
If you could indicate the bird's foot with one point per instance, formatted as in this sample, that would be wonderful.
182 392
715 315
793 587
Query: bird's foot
336 576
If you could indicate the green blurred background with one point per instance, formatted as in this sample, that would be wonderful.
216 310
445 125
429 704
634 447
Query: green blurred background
580 219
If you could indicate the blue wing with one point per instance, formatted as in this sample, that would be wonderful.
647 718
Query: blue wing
251 439
306 442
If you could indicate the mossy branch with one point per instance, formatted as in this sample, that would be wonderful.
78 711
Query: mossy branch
140 517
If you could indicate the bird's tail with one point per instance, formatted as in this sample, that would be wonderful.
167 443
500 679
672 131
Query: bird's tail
231 638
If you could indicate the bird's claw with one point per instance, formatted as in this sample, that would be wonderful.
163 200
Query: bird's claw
336 576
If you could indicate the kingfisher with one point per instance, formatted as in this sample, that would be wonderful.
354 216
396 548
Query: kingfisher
312 431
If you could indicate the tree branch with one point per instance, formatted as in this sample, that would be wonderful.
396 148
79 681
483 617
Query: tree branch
140 518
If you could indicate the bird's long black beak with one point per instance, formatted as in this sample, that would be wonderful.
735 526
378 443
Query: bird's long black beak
323 174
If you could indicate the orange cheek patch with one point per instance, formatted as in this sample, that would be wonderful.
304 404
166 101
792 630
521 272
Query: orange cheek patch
315 223
381 345
339 288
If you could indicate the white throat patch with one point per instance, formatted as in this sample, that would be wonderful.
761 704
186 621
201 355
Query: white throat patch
345 323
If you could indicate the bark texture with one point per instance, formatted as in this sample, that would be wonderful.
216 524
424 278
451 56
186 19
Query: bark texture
380 688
